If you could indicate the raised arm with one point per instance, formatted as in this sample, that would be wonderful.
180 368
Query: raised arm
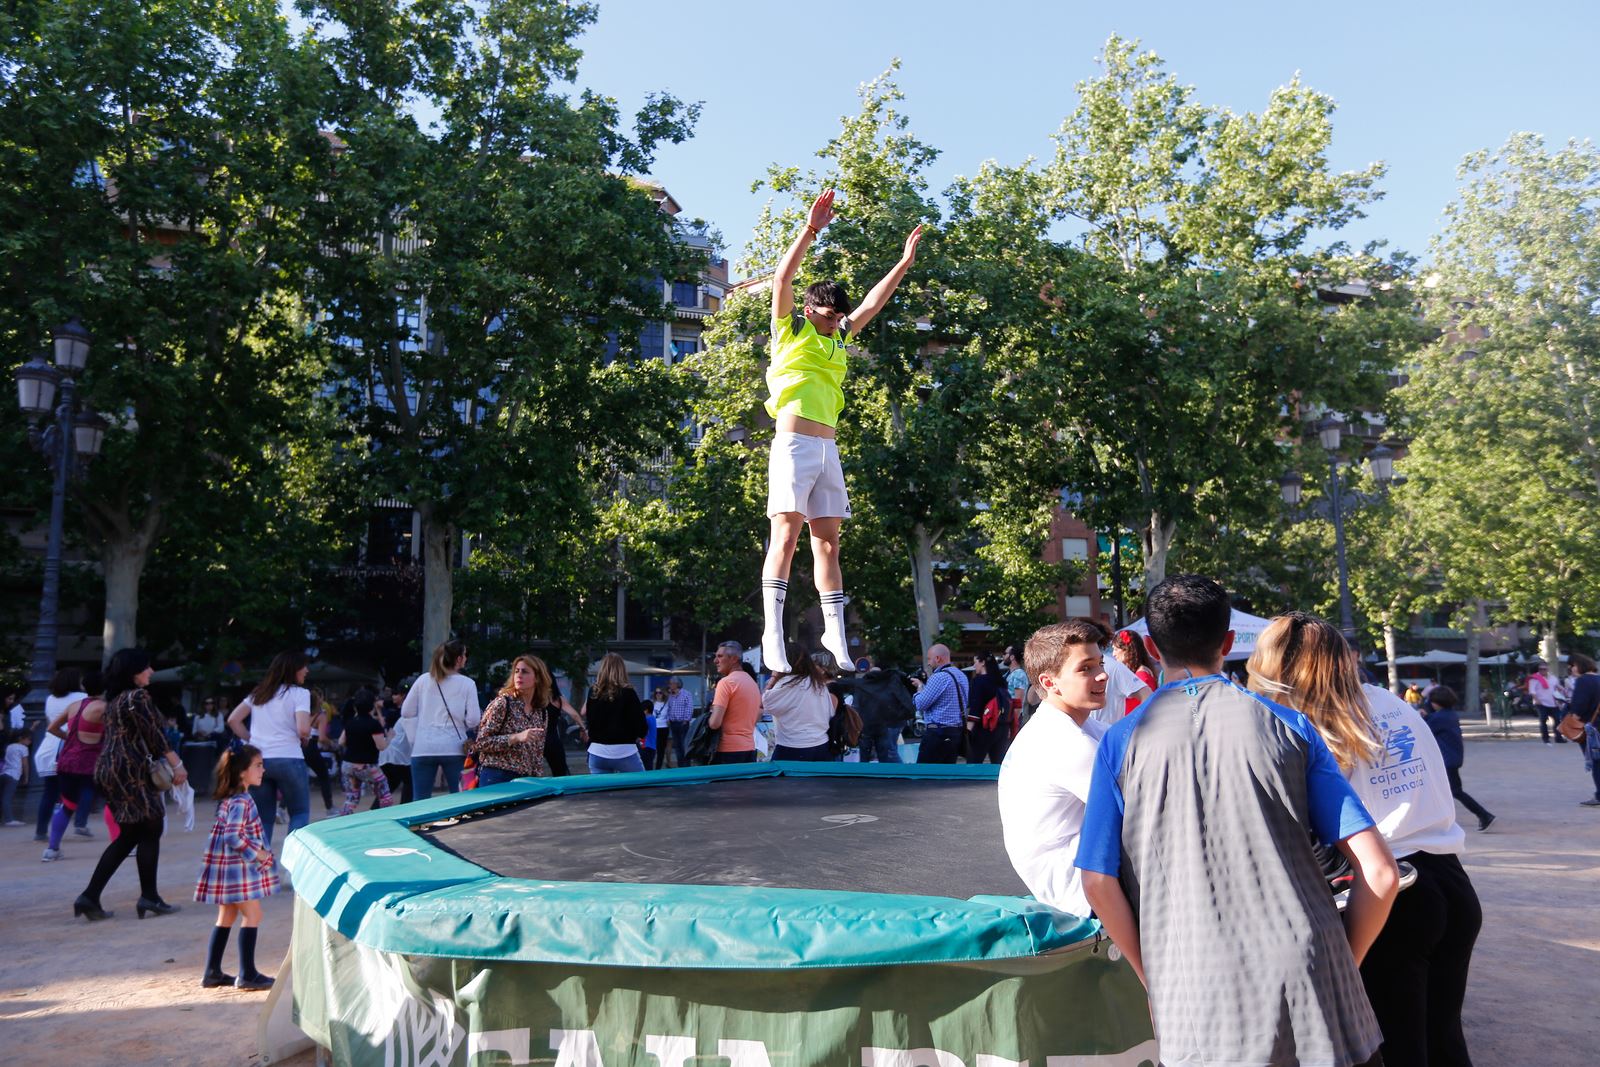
879 296
783 284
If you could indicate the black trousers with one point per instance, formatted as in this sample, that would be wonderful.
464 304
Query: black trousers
398 776
143 836
1416 971
319 767
1454 774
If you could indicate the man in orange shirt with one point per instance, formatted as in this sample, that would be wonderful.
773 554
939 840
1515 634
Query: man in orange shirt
735 707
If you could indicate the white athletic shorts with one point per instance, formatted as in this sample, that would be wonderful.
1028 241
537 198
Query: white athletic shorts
804 475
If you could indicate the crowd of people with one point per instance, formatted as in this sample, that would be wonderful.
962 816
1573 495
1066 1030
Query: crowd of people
1282 786
1257 802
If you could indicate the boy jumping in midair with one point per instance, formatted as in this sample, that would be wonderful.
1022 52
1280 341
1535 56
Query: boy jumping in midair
805 482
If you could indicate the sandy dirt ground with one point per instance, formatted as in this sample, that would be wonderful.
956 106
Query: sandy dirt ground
127 992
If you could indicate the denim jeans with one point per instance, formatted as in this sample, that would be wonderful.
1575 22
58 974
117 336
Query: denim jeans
680 735
940 744
286 775
725 758
494 776
882 742
51 786
607 765
424 769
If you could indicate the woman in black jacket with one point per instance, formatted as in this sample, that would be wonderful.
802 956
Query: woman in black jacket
614 715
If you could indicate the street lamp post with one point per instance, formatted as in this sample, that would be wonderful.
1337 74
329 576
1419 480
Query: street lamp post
74 435
1339 496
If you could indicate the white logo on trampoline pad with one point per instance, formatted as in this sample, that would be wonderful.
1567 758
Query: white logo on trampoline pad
848 819
390 853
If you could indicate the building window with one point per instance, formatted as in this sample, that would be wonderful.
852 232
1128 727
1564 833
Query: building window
686 294
652 341
1077 606
684 346
1074 549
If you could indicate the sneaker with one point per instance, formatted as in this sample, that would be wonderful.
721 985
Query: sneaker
1592 802
40 838
15 822
83 831
51 855
1485 822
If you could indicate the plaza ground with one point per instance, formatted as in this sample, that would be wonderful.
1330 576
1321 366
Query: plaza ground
127 992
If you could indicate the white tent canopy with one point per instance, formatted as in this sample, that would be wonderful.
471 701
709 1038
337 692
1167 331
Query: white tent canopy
1246 628
1436 658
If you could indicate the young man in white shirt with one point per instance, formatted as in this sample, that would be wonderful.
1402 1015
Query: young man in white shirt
1044 781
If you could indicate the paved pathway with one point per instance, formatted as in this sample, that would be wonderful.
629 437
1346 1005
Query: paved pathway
127 992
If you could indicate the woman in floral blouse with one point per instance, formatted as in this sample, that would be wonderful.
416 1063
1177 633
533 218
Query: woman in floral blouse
510 740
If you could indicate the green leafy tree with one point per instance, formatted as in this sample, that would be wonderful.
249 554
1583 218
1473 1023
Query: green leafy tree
1210 326
152 182
1505 405
475 269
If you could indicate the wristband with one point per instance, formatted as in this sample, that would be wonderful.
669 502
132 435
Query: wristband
814 231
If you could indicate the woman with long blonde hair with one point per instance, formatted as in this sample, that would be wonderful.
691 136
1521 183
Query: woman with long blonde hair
1416 971
614 716
511 734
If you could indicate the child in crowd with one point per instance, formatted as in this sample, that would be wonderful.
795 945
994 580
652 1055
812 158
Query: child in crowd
1202 804
238 869
15 772
1044 781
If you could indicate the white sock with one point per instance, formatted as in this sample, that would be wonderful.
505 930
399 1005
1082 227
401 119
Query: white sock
773 593
833 638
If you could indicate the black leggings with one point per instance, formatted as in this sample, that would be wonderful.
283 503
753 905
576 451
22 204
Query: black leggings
1416 971
144 836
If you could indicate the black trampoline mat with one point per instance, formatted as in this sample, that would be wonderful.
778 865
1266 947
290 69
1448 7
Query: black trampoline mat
877 835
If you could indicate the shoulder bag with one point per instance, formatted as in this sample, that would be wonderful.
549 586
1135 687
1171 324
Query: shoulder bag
467 734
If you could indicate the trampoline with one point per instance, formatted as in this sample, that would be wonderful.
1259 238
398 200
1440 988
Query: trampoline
751 916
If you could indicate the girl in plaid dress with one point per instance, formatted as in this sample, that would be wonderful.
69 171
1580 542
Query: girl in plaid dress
238 868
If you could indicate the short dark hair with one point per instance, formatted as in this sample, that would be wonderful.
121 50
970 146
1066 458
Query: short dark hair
1189 618
1048 646
1580 662
66 680
828 295
1442 696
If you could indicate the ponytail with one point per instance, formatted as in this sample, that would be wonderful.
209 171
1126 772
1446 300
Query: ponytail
230 770
445 658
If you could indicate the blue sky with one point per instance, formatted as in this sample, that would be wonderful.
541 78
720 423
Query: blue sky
1419 83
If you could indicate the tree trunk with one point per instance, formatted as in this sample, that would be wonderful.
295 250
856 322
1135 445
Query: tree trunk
125 547
922 585
1156 538
438 593
1391 652
1471 700
123 561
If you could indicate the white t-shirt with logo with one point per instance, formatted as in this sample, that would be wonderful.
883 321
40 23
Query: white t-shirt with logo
1044 787
272 724
1121 683
1408 792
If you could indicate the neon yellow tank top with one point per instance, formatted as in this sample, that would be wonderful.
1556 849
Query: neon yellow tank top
806 374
